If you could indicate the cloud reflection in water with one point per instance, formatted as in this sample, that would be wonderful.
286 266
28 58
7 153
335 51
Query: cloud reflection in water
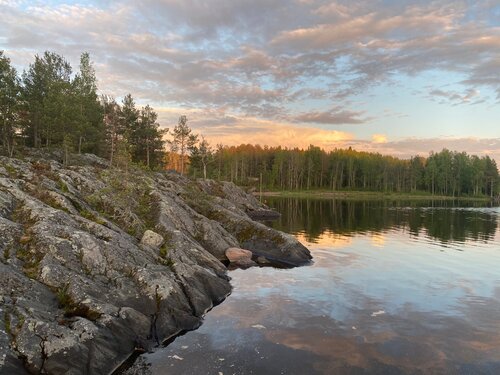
378 299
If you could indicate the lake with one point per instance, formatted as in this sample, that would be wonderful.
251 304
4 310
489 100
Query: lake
395 288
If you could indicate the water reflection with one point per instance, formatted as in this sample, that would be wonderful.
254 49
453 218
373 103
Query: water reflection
379 298
315 217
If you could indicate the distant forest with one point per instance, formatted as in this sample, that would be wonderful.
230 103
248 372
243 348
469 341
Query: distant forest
50 106
443 173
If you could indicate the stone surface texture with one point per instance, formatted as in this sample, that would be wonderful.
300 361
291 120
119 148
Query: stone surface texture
96 262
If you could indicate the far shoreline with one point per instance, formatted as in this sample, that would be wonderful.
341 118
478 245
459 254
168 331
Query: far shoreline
366 195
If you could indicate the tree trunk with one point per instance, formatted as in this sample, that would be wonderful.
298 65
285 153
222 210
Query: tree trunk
260 188
219 167
35 132
65 162
112 150
5 140
11 152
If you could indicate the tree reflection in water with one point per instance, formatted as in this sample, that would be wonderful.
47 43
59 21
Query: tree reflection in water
346 217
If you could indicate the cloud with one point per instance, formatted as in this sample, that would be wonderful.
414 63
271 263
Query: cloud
203 52
379 138
219 127
275 134
293 63
335 116
469 96
412 146
369 25
486 73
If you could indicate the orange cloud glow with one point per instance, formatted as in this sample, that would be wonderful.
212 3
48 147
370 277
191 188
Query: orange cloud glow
379 138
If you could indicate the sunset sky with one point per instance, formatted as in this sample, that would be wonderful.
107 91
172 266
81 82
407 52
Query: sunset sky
393 76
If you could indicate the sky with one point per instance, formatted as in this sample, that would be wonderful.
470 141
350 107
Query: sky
391 76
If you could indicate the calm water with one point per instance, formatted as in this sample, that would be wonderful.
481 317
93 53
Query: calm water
394 288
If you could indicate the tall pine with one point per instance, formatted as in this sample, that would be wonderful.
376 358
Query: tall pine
9 104
182 141
89 131
148 139
50 103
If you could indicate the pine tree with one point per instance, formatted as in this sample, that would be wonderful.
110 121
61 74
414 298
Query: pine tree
129 116
9 104
201 155
114 128
183 140
148 138
90 127
47 92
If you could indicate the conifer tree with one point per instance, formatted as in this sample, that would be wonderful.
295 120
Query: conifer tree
89 130
148 138
113 126
47 92
9 104
182 141
201 155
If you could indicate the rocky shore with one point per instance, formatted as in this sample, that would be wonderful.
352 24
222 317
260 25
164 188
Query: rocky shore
97 263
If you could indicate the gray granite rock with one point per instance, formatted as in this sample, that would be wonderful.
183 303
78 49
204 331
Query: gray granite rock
97 262
152 239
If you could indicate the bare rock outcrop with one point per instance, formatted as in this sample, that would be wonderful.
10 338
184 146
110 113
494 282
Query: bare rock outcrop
97 262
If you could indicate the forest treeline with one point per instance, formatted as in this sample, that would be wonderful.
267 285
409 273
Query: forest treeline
50 106
444 173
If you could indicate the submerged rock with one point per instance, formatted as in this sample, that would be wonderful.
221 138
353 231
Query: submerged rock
96 263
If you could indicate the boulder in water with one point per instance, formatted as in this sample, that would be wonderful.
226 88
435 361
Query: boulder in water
240 257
